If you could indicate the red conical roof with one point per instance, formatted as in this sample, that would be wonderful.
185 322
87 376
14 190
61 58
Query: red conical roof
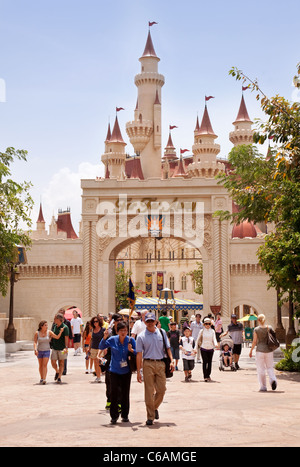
170 142
206 128
64 224
133 168
149 49
41 216
197 124
180 171
108 136
243 113
116 136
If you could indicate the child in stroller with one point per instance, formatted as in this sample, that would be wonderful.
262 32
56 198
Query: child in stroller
226 345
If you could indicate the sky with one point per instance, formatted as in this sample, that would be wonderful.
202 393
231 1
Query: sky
65 65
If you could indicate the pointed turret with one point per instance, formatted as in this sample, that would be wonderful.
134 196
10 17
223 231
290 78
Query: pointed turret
242 115
206 127
180 170
114 156
116 136
149 48
170 152
205 150
41 215
242 133
64 224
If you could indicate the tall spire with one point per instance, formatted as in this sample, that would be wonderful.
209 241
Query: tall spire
116 136
149 49
108 136
41 216
206 128
242 133
242 115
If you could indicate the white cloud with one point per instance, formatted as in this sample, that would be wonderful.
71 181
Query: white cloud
64 190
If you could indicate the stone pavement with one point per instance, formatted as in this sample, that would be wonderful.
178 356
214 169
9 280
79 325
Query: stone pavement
229 411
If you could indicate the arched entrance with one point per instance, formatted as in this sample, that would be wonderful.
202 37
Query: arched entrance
116 214
110 259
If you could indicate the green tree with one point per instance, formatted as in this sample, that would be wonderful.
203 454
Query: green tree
122 288
197 277
15 206
268 189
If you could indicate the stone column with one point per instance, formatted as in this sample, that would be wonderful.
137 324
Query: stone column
225 277
217 261
86 235
94 270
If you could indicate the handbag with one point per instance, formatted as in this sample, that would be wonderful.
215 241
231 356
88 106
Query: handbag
167 360
272 341
132 362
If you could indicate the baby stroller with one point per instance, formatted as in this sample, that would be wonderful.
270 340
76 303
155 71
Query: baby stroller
225 339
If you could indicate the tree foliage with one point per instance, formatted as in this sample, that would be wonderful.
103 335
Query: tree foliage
15 206
268 188
197 276
122 287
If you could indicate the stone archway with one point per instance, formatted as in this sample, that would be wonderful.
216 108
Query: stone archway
106 272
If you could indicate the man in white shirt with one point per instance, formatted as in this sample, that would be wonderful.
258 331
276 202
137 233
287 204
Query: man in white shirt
77 330
139 326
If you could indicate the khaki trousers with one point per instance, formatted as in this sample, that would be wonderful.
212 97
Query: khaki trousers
155 384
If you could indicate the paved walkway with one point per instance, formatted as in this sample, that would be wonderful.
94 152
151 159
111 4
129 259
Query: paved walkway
229 411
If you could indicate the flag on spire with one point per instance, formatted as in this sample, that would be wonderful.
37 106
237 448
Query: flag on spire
244 88
182 151
152 23
207 98
119 108
172 127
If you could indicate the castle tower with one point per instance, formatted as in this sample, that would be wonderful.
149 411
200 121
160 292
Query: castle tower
205 150
170 152
114 156
145 131
41 224
242 133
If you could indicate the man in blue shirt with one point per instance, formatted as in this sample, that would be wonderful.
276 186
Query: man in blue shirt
151 351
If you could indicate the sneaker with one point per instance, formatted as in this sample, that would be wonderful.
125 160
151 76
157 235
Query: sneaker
274 385
125 420
149 422
44 382
113 421
41 381
98 380
58 381
237 366
108 404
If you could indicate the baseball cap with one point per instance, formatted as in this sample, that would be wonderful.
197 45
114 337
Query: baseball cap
150 317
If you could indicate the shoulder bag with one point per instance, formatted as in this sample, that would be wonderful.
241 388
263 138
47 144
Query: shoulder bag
272 341
132 360
167 361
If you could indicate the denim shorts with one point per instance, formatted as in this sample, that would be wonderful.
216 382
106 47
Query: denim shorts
43 354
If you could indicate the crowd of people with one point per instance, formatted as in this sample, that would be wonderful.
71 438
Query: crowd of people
117 346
